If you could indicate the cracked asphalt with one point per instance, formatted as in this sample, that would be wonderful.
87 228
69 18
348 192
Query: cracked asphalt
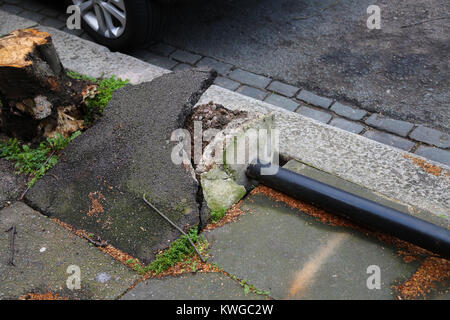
401 70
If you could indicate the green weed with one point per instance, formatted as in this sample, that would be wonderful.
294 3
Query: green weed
177 252
250 288
34 161
217 214
106 87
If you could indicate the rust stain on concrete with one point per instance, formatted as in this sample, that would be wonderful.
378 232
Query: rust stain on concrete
306 276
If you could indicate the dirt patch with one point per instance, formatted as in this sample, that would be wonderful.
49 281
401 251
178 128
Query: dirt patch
212 116
430 168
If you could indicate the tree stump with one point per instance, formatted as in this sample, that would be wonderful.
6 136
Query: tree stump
38 98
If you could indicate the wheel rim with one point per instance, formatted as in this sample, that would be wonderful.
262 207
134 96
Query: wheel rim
106 17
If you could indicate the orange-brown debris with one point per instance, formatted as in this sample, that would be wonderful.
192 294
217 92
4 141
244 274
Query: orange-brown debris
311 210
108 249
430 168
406 249
42 296
96 206
188 265
433 271
230 216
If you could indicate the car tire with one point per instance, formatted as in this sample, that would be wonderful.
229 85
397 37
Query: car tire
145 24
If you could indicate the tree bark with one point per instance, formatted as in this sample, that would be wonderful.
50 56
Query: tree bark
38 98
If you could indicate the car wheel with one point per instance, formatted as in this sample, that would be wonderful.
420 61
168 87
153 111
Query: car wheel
122 24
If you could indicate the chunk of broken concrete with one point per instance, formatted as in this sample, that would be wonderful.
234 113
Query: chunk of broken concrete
102 175
240 143
220 190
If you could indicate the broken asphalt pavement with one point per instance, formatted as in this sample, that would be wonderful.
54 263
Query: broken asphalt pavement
101 177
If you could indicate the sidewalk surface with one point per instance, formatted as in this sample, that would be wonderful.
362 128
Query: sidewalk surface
277 248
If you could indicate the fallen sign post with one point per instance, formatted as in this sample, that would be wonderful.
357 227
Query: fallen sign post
363 211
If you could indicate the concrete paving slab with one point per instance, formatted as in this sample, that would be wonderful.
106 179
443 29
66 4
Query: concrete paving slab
10 22
44 251
103 174
294 256
375 166
193 286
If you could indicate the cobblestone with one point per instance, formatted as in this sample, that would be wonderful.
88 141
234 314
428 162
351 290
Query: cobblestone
347 125
348 112
186 57
181 67
389 139
435 154
227 83
283 88
52 22
431 136
155 59
318 115
162 49
402 128
252 92
249 78
314 99
221 67
282 102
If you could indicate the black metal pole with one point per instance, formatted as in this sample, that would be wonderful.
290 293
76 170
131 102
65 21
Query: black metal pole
371 214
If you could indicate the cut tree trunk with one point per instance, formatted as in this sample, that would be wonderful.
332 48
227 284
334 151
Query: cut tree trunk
38 98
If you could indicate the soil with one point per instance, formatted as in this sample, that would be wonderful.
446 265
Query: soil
212 116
